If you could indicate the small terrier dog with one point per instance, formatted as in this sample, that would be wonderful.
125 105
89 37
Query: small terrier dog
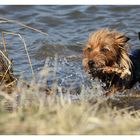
106 57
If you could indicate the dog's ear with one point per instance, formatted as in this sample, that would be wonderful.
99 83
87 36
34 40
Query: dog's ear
85 52
121 40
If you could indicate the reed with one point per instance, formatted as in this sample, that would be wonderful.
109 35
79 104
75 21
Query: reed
7 78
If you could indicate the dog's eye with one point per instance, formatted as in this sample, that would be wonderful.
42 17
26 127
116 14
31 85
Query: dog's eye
89 49
104 50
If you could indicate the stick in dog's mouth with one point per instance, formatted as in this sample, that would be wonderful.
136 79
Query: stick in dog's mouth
122 73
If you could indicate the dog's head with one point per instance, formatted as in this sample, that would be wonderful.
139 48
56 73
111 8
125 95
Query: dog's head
106 48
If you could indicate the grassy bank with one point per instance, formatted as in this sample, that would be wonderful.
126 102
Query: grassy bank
30 110
58 116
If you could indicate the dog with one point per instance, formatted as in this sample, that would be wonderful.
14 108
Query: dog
106 57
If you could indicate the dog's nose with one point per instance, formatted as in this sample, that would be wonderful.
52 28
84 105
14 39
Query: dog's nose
91 63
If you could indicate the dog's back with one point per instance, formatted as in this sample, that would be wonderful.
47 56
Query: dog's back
135 58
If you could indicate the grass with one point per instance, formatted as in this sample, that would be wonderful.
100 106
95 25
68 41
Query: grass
31 110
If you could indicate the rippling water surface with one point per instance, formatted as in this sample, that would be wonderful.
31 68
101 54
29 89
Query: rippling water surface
68 28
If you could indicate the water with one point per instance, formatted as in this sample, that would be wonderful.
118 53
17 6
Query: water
68 28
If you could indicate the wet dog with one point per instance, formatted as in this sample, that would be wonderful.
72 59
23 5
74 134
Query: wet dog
106 57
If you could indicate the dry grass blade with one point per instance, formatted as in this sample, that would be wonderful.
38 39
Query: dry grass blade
5 57
12 83
23 25
6 76
25 47
4 43
6 68
6 72
6 96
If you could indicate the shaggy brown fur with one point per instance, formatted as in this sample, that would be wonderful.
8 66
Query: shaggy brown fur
107 58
